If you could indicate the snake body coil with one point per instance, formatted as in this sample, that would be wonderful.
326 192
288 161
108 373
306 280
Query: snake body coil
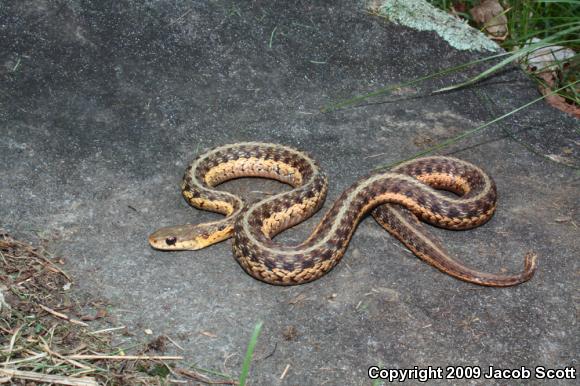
397 199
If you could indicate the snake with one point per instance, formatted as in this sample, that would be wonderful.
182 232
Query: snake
400 200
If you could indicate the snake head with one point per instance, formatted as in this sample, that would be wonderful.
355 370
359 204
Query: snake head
189 237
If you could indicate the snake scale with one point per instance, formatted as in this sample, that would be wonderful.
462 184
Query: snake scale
398 199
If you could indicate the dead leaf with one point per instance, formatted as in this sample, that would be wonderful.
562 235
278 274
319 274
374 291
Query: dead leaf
556 100
458 8
423 141
290 333
547 58
490 15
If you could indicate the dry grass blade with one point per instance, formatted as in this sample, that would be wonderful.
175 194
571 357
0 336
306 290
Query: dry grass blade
194 375
42 342
126 357
47 378
62 316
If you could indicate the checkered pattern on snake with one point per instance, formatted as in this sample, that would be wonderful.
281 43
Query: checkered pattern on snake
398 199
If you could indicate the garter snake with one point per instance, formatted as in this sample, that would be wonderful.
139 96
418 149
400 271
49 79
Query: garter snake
398 199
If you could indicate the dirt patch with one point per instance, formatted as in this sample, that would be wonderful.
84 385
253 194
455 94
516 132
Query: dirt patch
46 338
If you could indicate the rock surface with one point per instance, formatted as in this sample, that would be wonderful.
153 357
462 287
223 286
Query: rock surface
105 102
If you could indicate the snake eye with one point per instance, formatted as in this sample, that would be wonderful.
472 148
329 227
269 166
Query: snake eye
171 240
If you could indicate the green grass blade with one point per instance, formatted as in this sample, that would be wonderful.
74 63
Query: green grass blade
522 39
473 131
272 37
386 90
250 353
559 1
513 57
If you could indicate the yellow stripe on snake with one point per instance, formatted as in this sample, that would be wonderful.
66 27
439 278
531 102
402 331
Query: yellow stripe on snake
397 199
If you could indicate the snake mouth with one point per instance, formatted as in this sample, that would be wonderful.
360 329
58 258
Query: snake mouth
160 244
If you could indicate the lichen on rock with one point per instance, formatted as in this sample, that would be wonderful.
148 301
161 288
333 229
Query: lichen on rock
422 16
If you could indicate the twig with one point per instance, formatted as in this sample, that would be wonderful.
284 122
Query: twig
376 155
181 17
202 378
175 343
62 316
285 371
46 378
269 355
107 330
